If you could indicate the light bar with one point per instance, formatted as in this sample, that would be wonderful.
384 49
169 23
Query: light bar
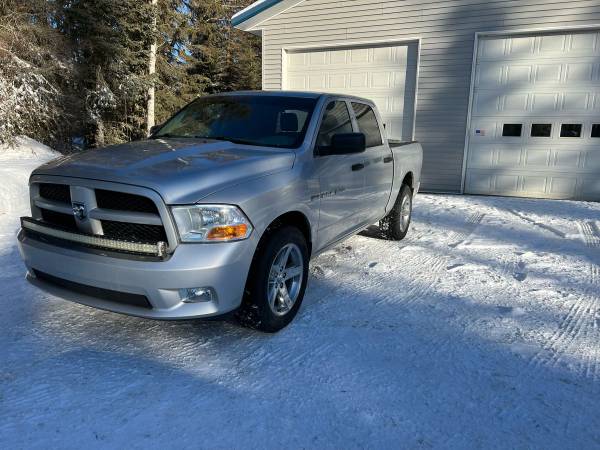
159 249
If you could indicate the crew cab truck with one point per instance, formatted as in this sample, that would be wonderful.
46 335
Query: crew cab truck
220 209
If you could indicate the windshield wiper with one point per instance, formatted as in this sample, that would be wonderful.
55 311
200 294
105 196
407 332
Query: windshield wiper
230 139
171 136
242 141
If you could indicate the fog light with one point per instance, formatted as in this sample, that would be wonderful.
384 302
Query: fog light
197 295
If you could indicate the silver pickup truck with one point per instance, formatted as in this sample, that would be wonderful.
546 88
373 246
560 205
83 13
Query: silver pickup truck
220 209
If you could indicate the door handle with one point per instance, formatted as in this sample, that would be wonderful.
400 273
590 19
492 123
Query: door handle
388 159
356 167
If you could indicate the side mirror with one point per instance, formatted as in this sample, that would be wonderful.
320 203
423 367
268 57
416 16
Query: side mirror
345 144
155 128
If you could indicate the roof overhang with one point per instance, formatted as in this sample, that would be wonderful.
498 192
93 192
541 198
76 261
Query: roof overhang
248 18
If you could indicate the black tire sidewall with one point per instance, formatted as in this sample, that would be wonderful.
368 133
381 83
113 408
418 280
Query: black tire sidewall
396 231
257 287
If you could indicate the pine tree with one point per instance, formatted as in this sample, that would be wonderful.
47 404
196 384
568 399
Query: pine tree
35 74
111 38
80 68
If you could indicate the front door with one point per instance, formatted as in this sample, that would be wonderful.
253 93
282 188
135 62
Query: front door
341 179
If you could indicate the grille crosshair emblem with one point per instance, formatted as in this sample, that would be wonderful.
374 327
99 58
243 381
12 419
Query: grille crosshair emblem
79 210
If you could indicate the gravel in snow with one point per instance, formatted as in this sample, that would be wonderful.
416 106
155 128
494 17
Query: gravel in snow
480 329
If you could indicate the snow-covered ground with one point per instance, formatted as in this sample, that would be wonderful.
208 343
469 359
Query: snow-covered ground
481 329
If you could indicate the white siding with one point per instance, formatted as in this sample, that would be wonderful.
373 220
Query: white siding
447 31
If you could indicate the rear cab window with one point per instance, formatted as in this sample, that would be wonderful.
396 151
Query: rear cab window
367 124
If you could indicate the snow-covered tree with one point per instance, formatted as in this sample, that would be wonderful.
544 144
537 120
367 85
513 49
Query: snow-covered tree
34 69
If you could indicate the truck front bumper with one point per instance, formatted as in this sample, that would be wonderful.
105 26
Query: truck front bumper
222 267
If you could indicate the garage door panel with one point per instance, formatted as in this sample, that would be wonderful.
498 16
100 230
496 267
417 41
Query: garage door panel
567 160
486 102
509 157
548 73
542 83
575 102
563 186
515 103
534 184
338 81
544 103
536 158
592 160
384 74
578 72
590 188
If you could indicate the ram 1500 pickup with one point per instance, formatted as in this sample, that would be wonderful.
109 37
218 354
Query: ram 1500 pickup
220 209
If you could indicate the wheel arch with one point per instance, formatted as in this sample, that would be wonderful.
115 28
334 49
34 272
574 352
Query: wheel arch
409 180
295 219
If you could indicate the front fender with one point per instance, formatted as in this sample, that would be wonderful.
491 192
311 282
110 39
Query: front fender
265 199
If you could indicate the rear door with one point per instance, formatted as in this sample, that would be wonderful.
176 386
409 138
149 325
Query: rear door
341 178
378 161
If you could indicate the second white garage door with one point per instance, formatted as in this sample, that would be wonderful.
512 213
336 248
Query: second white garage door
535 126
385 74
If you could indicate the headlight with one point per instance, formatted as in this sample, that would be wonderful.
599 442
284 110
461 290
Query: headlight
211 223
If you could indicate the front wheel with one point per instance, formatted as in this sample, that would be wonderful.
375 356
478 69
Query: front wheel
277 281
396 224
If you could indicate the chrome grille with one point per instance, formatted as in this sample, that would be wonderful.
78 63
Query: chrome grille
65 221
133 232
134 215
121 201
55 192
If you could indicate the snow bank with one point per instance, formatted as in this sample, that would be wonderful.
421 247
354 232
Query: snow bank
16 164
27 148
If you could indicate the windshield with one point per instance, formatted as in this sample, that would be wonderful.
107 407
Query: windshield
270 121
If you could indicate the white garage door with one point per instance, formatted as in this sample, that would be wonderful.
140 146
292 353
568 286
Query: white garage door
383 74
535 123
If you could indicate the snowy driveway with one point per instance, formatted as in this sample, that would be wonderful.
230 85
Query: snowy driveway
481 329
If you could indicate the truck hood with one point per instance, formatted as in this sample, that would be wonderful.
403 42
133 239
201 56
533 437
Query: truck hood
181 170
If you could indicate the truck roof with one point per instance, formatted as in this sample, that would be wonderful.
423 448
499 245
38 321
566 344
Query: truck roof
298 94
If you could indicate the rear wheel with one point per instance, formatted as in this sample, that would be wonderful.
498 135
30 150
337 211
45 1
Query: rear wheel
396 224
277 281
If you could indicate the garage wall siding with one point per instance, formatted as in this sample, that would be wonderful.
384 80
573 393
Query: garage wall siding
447 31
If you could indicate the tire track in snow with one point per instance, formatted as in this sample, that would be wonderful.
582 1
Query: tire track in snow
459 237
538 224
577 333
588 236
579 327
421 281
593 364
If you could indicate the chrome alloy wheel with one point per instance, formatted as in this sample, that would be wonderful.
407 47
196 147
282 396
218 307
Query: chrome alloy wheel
405 210
285 279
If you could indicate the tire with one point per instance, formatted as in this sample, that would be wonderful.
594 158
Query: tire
396 224
277 281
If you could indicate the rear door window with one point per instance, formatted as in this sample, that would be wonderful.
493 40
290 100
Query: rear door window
367 124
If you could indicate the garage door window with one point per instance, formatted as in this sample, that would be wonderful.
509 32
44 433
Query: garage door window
596 130
367 124
336 120
541 130
570 130
512 130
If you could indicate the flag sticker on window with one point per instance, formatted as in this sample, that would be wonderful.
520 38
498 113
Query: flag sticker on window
480 132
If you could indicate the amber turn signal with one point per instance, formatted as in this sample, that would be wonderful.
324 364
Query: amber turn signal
228 232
